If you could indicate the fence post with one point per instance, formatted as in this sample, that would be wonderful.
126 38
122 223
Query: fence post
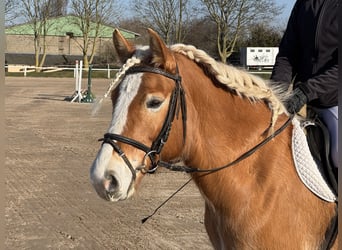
89 97
76 75
78 82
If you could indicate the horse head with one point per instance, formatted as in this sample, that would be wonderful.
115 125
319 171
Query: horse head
144 106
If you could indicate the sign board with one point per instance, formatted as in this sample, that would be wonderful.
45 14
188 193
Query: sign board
258 56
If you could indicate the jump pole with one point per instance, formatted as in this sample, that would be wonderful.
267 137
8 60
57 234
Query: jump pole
76 75
78 81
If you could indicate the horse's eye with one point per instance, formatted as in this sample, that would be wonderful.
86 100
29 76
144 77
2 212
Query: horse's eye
154 103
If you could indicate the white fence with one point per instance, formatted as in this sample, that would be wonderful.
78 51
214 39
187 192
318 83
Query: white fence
15 68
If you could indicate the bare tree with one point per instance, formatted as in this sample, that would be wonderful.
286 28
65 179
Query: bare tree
233 16
36 13
91 15
262 35
166 17
203 36
11 11
136 25
58 8
182 17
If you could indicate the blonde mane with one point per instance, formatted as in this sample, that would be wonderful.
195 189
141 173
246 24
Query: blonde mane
244 83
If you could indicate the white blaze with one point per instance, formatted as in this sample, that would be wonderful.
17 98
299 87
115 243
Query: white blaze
128 90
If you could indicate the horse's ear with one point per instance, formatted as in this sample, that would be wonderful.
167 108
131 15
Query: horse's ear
161 55
124 48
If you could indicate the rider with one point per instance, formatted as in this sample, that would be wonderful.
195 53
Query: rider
308 56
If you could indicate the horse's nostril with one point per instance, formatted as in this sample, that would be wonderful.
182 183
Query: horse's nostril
111 183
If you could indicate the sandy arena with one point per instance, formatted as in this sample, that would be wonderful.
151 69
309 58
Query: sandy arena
50 202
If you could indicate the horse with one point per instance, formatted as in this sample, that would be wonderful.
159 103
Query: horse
176 107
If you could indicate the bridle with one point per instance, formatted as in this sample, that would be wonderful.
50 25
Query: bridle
177 102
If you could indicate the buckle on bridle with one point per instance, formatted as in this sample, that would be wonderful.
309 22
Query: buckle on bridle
154 164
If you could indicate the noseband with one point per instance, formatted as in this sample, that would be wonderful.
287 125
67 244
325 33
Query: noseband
177 101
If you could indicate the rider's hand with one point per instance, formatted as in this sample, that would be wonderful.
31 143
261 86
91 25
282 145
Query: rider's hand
296 101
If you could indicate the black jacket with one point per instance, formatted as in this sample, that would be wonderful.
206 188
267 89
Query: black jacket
308 51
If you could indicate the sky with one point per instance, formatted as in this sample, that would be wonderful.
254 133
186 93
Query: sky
288 4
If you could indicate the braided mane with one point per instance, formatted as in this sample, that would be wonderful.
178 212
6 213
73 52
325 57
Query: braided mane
242 82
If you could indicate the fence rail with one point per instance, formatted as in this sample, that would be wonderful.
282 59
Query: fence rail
27 69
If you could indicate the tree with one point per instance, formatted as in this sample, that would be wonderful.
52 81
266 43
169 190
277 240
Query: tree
231 17
202 35
262 35
91 15
136 25
10 10
166 17
58 8
36 12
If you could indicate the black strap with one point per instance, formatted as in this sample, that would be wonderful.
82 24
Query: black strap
177 99
108 138
149 69
331 233
240 158
319 143
121 154
126 140
161 139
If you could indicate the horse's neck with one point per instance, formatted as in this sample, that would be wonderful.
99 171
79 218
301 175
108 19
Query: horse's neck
223 126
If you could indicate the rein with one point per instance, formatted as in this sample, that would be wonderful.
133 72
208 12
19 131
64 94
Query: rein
245 155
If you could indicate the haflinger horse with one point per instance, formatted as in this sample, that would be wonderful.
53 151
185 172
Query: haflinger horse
177 104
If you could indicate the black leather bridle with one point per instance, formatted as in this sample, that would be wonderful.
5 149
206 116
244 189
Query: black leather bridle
177 102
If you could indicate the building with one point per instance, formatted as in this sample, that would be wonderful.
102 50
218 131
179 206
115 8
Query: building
63 42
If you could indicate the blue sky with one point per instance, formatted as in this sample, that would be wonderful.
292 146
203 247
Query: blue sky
287 9
288 4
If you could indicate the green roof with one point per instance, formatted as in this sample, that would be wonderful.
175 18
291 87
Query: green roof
60 26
